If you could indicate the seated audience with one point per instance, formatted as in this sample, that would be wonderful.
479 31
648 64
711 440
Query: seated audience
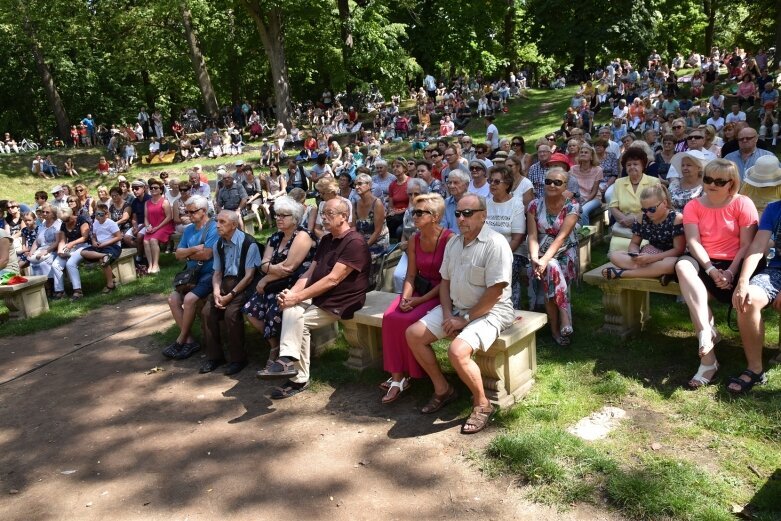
158 224
625 204
685 177
105 244
369 217
42 254
72 237
763 182
474 306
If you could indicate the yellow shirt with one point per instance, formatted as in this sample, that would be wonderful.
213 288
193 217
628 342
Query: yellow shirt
626 199
761 196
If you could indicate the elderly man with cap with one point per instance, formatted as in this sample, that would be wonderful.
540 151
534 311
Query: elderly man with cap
236 260
60 200
763 182
474 308
134 236
202 188
333 288
748 153
478 185
231 196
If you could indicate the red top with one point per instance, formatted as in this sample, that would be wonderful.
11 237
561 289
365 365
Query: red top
397 193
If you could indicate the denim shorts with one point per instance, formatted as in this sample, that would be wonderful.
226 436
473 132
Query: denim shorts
769 281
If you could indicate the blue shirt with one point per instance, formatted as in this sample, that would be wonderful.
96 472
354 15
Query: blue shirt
192 237
743 166
449 220
232 249
770 222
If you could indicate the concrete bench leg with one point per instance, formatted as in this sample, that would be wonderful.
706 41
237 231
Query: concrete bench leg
365 345
124 270
322 337
249 226
27 303
508 375
626 311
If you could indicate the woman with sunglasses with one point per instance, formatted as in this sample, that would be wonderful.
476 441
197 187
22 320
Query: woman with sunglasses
158 222
419 294
719 227
86 203
105 244
370 217
624 203
553 251
518 151
662 227
72 237
505 214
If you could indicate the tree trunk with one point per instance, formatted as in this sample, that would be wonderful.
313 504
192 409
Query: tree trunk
270 29
345 28
777 57
709 6
149 94
509 38
52 94
199 64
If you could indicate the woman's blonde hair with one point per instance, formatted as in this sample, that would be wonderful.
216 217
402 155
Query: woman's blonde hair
727 169
594 159
433 203
327 185
659 191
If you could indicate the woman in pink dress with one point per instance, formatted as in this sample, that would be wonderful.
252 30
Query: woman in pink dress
158 219
419 295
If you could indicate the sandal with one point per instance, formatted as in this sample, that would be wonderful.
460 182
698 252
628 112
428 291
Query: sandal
612 273
108 289
58 295
775 360
395 390
700 379
384 386
439 400
289 389
478 420
279 368
746 386
77 295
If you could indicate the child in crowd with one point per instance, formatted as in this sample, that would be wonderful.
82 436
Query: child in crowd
29 234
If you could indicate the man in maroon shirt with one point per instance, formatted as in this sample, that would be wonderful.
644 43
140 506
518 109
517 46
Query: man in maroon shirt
333 288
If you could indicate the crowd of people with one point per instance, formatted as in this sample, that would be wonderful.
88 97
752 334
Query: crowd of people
485 228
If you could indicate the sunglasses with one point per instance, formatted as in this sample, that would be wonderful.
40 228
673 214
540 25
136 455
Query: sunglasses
554 182
79 190
155 187
184 189
466 213
434 155
695 137
137 188
473 168
746 139
100 214
420 213
413 194
193 212
516 144
12 206
713 181
650 209
495 181
361 183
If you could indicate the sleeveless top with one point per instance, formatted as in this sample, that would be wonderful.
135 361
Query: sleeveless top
428 263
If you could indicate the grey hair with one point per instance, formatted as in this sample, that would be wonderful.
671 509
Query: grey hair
480 200
233 216
419 183
503 141
363 178
380 162
198 201
560 171
460 175
645 147
288 204
64 213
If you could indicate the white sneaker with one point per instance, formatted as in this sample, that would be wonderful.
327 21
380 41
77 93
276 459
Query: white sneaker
774 141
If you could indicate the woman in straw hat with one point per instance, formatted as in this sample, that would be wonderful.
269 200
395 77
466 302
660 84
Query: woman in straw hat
763 182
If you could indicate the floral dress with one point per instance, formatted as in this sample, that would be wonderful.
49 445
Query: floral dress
562 269
660 236
365 226
680 196
264 306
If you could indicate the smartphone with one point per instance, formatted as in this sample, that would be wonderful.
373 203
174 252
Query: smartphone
633 254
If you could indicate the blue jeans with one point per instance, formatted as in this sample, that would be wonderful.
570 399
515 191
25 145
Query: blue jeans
586 209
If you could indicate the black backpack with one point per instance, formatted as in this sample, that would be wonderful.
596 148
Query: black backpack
249 240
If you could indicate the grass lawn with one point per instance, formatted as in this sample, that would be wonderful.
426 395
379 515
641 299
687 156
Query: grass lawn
679 455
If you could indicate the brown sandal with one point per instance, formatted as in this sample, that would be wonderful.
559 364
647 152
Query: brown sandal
478 420
439 400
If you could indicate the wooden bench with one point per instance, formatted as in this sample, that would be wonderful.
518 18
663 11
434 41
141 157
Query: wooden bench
507 368
26 300
627 302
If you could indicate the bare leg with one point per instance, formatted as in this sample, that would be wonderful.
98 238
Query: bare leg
752 332
651 271
696 297
154 250
420 339
460 355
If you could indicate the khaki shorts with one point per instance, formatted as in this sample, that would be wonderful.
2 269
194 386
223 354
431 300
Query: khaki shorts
480 334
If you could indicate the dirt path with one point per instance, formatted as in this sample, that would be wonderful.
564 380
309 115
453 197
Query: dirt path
90 435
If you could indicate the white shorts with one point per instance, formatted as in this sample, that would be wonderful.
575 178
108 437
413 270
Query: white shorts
480 334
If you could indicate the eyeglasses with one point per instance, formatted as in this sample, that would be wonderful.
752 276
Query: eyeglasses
74 201
466 213
361 183
137 188
746 139
713 181
420 213
79 190
449 155
554 182
184 189
695 137
155 187
495 181
551 138
283 215
329 213
677 126
473 168
193 212
650 209
516 144
100 214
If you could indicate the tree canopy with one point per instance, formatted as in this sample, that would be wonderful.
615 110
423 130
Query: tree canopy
62 60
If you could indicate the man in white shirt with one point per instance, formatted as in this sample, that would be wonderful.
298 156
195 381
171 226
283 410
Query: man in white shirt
736 114
717 120
491 133
479 183
612 146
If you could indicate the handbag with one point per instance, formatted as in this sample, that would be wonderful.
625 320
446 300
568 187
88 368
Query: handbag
421 285
187 279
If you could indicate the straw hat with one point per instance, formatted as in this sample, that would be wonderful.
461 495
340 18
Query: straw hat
675 162
765 172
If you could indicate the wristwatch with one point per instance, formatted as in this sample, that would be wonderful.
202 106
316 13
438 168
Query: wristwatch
466 317
232 293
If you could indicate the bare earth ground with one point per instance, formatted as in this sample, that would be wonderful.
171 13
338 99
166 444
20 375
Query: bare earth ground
91 435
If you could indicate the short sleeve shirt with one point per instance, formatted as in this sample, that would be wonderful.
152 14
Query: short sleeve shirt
348 296
192 237
720 227
230 198
771 221
506 218
232 250
13 261
104 232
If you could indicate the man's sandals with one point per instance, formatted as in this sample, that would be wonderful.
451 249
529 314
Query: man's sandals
439 400
478 420
278 369
746 385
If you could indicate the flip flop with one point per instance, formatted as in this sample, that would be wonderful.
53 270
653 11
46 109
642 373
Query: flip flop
478 420
611 273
